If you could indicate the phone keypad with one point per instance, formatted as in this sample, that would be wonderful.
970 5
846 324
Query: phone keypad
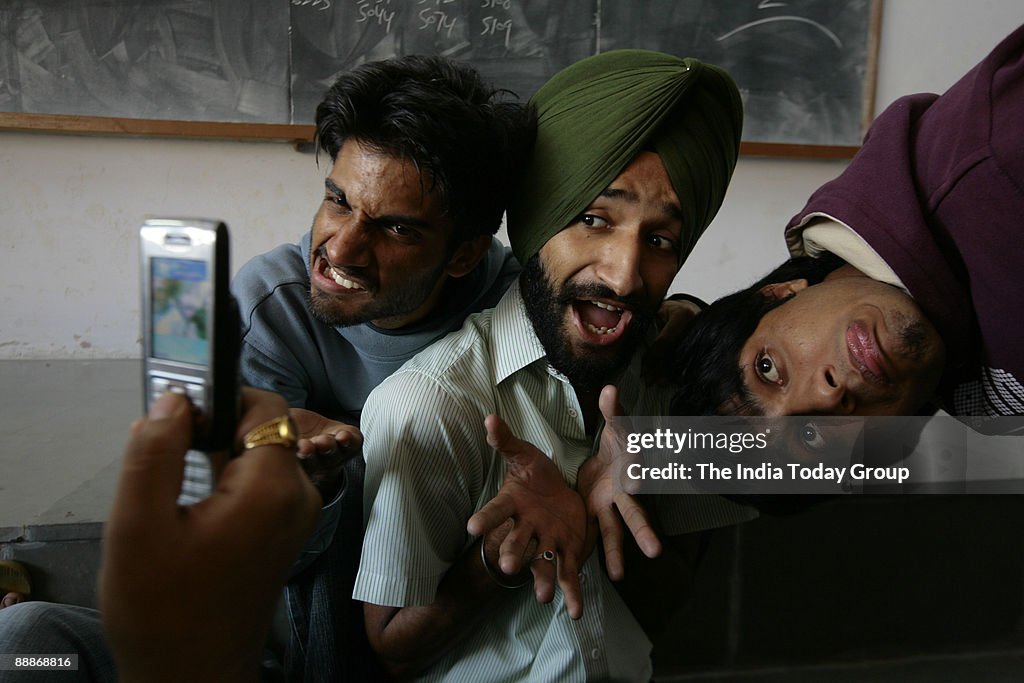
197 483
158 386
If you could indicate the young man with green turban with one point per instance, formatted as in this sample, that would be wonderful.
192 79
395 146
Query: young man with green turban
634 153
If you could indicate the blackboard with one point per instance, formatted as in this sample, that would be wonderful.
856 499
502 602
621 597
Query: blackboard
515 44
805 67
146 59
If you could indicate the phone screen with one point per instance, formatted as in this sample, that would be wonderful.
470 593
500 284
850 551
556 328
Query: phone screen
182 299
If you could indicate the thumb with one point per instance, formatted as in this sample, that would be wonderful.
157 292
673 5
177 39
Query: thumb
500 438
609 404
155 454
612 440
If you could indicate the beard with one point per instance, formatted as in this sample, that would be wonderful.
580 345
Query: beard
912 337
589 366
400 299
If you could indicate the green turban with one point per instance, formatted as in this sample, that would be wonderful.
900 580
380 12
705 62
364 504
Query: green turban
595 116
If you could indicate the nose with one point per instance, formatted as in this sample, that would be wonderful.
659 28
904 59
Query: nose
827 392
619 267
350 244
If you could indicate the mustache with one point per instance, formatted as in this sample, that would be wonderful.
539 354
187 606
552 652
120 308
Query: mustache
356 273
572 291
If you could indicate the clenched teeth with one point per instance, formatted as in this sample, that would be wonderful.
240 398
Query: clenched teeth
344 282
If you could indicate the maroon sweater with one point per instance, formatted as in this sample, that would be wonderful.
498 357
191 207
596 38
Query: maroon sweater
938 191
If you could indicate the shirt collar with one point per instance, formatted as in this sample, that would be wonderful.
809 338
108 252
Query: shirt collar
820 232
514 344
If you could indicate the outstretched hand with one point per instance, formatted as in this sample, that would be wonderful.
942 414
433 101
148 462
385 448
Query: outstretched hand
547 515
324 448
608 502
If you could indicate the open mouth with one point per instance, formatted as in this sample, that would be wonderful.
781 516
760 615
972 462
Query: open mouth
341 280
336 280
600 322
865 354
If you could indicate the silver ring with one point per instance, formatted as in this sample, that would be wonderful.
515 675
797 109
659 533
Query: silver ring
547 555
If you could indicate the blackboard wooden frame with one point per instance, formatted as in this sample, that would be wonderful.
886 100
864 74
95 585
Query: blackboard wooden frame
301 135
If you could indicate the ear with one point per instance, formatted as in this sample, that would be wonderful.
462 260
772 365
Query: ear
781 290
467 255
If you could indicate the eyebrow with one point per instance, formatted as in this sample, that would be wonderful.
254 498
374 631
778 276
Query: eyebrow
750 404
333 187
403 219
670 209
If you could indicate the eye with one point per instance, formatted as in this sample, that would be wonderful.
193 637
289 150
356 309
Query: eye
765 368
661 242
811 437
336 200
403 232
592 221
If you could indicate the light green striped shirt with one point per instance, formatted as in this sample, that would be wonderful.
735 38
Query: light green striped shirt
429 468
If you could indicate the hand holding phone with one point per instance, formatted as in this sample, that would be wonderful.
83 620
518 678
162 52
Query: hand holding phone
191 333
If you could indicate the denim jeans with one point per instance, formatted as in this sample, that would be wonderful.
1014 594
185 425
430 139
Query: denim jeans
45 628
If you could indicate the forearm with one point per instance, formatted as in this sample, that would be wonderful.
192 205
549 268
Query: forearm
410 639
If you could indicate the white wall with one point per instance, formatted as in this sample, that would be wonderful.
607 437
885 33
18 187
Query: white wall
70 206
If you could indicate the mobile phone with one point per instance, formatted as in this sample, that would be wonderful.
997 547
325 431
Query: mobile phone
190 332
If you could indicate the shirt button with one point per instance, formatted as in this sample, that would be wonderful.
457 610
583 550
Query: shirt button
595 653
572 412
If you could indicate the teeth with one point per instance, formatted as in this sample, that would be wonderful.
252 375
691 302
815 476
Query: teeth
344 282
607 307
599 330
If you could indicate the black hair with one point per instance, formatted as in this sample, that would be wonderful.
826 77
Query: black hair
706 365
468 140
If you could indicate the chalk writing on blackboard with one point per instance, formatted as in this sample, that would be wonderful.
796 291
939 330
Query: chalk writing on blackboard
804 67
801 65
515 44
315 4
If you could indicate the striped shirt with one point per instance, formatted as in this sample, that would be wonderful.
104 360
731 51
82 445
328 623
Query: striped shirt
429 468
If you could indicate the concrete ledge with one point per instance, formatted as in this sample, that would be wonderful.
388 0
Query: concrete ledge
62 438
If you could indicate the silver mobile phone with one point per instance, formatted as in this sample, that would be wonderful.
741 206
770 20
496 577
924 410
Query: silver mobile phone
190 332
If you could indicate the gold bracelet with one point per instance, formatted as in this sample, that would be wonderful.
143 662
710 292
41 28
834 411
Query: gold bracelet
496 576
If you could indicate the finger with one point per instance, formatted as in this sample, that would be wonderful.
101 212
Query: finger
305 448
611 539
569 582
491 516
349 437
325 444
512 552
543 579
639 524
500 438
609 404
11 599
155 455
612 444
